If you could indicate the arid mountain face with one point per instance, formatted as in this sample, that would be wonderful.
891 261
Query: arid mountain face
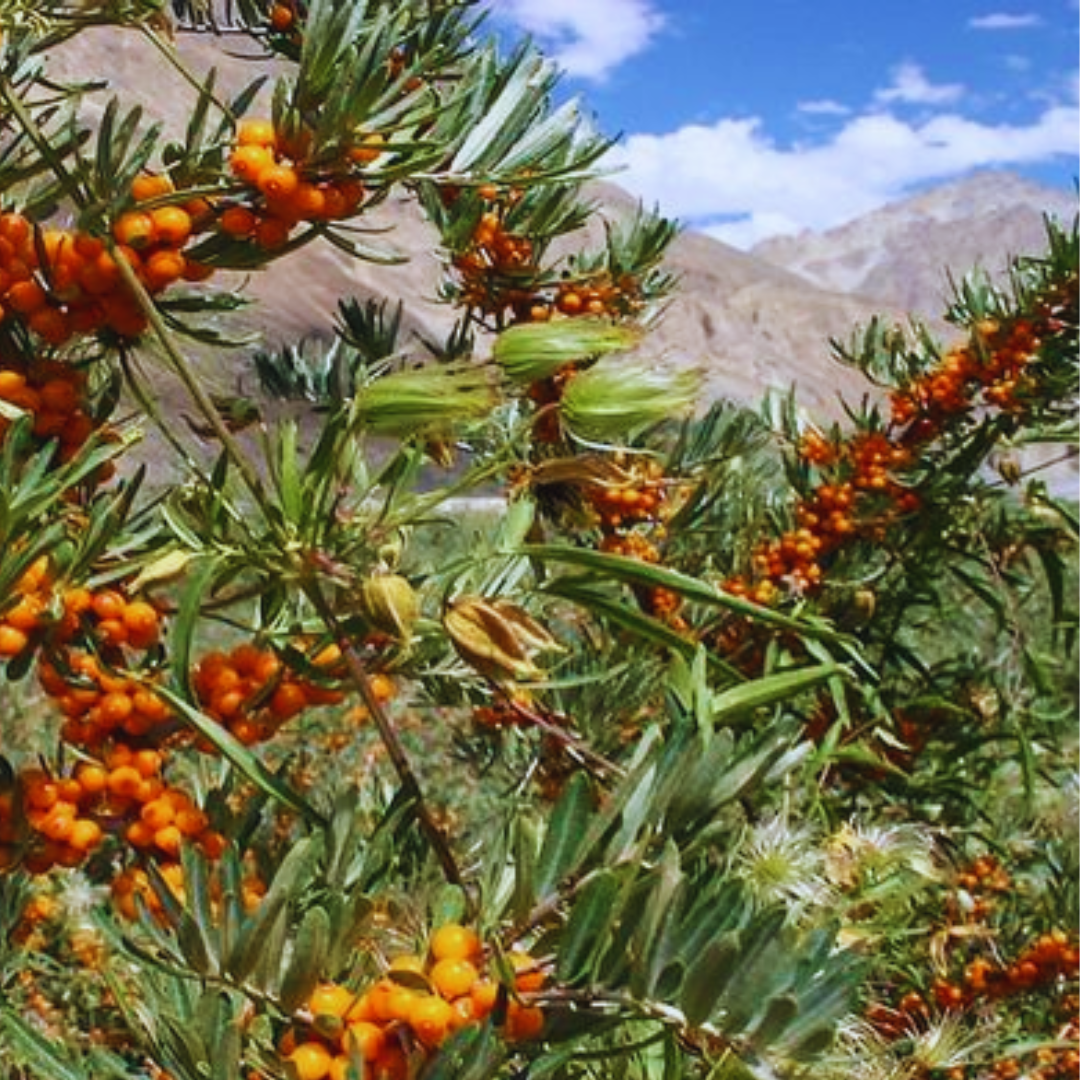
748 321
903 254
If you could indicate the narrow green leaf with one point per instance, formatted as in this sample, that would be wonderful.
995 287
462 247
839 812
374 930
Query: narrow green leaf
770 690
650 934
239 755
563 847
707 977
305 967
33 1049
227 1043
198 910
584 936
777 1017
633 619
635 572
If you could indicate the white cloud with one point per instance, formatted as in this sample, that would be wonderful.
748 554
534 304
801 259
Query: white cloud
910 86
1016 62
733 180
1003 20
823 107
588 38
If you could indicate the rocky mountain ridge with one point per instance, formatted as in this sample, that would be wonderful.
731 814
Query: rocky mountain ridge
904 253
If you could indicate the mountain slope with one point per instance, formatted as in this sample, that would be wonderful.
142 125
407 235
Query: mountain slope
902 255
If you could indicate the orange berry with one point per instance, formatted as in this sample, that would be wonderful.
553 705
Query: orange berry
311 1060
278 181
114 708
108 604
172 224
524 1021
528 976
124 780
287 701
85 834
135 229
15 228
162 269
238 221
25 297
213 845
453 977
168 839
157 813
484 995
272 233
91 777
454 942
191 822
61 395
330 999
41 792
248 161
150 186
51 325
281 17
142 622
368 1038
139 834
12 640
58 824
308 202
431 1019
255 132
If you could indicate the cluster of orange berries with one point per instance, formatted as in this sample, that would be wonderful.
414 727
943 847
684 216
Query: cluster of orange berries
60 283
113 715
990 369
1050 962
859 501
639 499
861 495
498 270
1050 957
500 274
68 816
283 191
251 693
55 394
595 295
629 514
107 616
411 1011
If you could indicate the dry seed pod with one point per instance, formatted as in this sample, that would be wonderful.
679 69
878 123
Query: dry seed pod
491 641
534 637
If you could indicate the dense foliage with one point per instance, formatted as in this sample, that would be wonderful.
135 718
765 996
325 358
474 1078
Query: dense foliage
731 746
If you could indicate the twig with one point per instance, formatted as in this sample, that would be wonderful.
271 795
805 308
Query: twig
389 736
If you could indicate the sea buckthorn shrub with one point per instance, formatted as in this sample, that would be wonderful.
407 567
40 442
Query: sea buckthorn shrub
737 745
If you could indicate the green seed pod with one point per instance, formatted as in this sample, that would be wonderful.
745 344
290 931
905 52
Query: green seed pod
423 399
534 351
390 604
615 398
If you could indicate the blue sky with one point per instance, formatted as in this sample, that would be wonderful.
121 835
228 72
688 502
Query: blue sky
749 118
